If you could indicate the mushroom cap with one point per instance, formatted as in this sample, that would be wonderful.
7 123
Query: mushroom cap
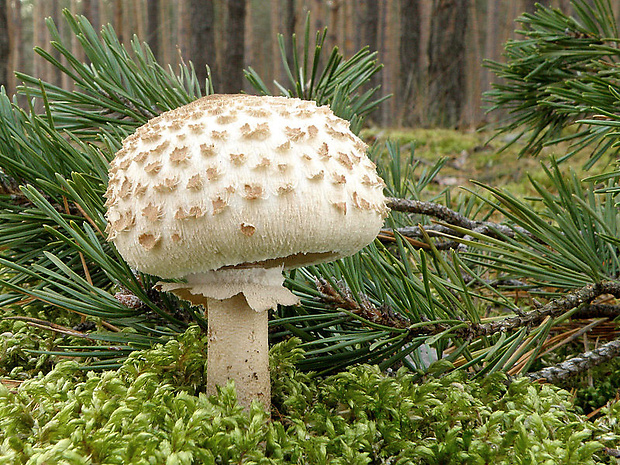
235 181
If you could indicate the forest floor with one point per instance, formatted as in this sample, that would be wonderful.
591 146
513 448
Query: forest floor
472 155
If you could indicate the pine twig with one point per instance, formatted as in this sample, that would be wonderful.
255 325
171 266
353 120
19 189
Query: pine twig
576 365
342 298
451 217
554 308
598 311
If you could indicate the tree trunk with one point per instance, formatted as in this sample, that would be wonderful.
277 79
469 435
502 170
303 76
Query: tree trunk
367 25
232 66
202 51
183 25
447 62
118 20
409 78
56 74
16 44
153 24
283 20
5 49
91 11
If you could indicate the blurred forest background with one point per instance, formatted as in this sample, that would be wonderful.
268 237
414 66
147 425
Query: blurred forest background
432 50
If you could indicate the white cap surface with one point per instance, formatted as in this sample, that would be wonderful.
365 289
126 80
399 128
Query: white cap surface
241 181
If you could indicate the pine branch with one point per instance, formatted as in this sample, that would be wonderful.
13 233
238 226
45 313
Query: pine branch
576 365
342 298
552 309
598 311
563 72
447 215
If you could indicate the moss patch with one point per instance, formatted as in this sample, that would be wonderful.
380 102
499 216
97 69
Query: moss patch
152 410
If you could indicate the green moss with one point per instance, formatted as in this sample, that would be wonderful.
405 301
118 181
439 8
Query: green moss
20 343
152 411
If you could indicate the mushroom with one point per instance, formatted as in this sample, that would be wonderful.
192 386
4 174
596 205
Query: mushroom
224 194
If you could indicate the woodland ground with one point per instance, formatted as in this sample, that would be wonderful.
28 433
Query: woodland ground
474 155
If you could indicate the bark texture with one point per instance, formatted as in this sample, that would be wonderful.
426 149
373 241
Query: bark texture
4 45
233 62
446 53
202 51
153 27
577 364
409 48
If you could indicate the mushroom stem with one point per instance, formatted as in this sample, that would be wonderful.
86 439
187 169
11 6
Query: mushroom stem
238 349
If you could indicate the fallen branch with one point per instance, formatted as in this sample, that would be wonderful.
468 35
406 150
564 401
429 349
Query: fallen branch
598 311
388 317
552 309
449 216
579 364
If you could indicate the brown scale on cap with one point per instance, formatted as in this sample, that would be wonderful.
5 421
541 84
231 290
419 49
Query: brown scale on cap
195 182
215 110
285 189
194 212
125 222
151 137
161 147
294 134
238 158
304 114
213 173
139 189
316 176
219 135
154 167
125 189
324 151
259 113
207 150
285 147
141 156
367 181
196 128
111 200
312 131
167 185
219 204
148 240
253 191
176 237
341 207
114 181
263 163
260 132
226 119
360 202
123 165
179 155
344 160
339 178
176 125
247 229
152 212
